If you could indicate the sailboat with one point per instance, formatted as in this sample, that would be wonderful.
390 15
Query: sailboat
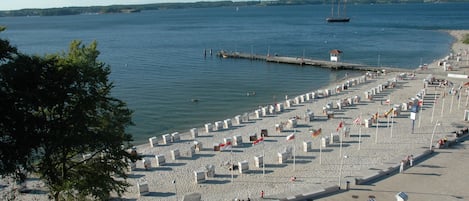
338 18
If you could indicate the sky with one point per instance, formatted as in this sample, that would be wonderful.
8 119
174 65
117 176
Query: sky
21 4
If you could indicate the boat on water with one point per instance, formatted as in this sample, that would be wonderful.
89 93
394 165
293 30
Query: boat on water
338 17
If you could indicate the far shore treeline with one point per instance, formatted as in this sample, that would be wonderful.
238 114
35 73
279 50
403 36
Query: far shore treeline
164 6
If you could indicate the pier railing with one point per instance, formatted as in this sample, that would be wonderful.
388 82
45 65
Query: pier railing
308 62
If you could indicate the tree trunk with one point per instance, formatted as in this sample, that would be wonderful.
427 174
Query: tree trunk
56 196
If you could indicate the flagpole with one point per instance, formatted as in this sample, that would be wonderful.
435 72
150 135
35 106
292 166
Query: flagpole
467 96
340 150
459 94
433 134
360 132
320 151
433 109
294 151
263 159
232 164
340 170
388 116
377 126
442 107
294 155
452 98
392 124
391 110
359 136
420 114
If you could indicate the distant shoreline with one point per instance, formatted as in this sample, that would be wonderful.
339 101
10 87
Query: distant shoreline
63 11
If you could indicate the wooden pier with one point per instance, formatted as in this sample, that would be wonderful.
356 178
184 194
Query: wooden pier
308 62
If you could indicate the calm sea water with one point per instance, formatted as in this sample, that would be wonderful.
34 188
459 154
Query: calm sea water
158 64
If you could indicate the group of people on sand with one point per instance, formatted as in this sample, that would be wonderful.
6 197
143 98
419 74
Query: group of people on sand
407 161
441 143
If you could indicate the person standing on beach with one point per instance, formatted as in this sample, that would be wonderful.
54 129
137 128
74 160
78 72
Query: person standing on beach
411 160
262 194
401 168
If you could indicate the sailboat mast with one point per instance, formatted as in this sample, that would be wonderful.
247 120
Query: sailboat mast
338 8
332 8
345 8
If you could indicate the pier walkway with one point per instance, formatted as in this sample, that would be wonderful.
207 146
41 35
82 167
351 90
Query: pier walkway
310 62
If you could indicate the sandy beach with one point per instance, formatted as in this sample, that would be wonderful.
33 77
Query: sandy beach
359 150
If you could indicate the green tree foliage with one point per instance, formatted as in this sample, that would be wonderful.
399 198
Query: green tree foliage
60 122
6 50
13 159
